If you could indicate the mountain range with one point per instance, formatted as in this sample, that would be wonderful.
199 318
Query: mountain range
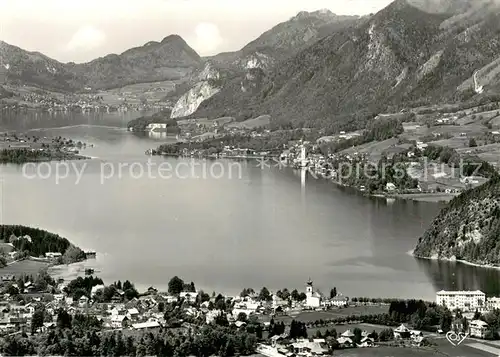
170 59
317 69
403 55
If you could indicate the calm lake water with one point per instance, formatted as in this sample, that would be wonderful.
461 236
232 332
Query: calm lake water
225 229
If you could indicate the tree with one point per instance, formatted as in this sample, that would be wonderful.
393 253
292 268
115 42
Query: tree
72 255
333 293
295 295
242 317
472 143
175 285
161 306
357 335
264 294
37 319
246 292
386 335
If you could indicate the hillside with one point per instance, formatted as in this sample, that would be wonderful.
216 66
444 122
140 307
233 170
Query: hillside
243 70
402 55
467 229
172 58
285 39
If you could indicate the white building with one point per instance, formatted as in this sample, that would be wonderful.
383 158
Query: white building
155 126
463 300
189 296
339 301
52 255
493 303
478 328
313 299
390 187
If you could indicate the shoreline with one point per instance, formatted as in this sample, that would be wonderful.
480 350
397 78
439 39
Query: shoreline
454 260
409 197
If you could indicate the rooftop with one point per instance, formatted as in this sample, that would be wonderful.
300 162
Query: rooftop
460 292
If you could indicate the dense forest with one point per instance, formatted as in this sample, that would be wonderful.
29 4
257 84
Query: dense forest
467 228
23 155
36 242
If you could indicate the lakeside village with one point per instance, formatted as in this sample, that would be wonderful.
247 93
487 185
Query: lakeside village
81 103
421 167
43 316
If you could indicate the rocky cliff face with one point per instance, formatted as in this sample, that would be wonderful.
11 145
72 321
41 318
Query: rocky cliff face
207 85
467 229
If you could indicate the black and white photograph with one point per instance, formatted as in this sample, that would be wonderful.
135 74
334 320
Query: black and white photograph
279 178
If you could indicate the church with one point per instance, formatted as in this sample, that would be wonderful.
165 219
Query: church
313 299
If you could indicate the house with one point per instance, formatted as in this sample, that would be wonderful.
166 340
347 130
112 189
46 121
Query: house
306 347
478 328
118 296
347 334
149 325
402 332
366 342
339 301
118 310
345 342
95 289
133 314
390 187
7 247
170 299
276 338
493 303
278 302
58 297
188 296
52 255
212 315
47 326
313 299
240 324
83 301
156 126
119 321
152 291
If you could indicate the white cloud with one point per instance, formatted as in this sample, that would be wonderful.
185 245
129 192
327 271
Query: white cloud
86 38
207 38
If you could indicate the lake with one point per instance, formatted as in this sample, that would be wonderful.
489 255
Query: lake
224 225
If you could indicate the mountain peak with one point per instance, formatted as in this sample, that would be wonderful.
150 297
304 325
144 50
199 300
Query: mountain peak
322 13
173 38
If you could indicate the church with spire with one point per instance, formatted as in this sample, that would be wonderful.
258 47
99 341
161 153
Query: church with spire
313 298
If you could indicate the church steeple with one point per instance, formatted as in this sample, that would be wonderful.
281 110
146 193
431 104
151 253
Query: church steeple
309 287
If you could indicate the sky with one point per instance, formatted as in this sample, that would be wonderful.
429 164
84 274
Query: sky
82 30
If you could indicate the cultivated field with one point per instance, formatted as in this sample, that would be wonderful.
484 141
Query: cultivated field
134 93
311 316
28 267
262 121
